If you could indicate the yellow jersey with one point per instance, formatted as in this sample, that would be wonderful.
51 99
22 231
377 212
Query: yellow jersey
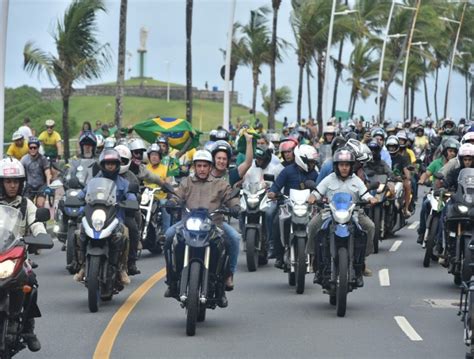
161 170
49 142
411 154
18 152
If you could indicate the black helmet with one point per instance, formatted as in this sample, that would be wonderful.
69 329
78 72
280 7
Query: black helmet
223 146
265 154
450 143
343 154
87 138
374 146
222 135
337 143
110 155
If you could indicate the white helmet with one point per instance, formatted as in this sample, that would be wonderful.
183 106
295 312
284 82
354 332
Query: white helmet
136 144
330 129
303 154
109 142
362 152
202 155
467 149
100 141
468 136
17 135
11 168
125 157
49 123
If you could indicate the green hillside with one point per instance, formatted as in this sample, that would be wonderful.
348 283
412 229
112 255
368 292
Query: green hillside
26 101
146 82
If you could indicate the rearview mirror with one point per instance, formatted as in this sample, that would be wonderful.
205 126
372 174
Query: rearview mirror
41 241
129 205
168 188
42 215
269 177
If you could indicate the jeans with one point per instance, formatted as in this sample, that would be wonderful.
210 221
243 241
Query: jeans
166 217
270 214
425 208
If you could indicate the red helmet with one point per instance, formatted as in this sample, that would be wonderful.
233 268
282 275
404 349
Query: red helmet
288 144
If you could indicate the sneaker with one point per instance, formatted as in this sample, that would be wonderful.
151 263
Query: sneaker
223 303
229 283
279 263
30 337
318 278
360 281
171 291
442 261
420 238
79 276
133 269
367 272
124 278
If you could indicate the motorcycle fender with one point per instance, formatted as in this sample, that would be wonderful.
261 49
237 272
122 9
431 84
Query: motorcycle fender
97 251
342 230
299 220
299 233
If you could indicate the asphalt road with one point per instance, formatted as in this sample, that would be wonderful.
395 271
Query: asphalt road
409 313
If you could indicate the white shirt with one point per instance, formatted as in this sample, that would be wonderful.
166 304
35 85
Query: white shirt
332 184
255 174
25 131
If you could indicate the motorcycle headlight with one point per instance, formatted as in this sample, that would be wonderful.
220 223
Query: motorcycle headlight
462 208
98 219
300 210
253 201
56 228
342 216
145 199
73 193
193 224
6 268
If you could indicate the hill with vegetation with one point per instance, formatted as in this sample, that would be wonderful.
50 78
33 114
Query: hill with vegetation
26 101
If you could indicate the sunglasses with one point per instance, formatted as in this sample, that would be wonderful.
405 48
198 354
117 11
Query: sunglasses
49 127
33 147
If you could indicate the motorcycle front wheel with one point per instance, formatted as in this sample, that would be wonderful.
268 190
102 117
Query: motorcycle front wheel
93 285
430 241
193 303
342 281
4 347
377 223
70 246
251 247
300 268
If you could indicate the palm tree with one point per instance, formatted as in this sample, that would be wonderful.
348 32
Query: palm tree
271 112
189 65
121 63
79 55
256 47
283 97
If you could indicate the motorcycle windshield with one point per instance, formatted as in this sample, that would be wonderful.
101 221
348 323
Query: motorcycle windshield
84 171
254 187
253 180
341 201
101 190
466 183
10 227
299 196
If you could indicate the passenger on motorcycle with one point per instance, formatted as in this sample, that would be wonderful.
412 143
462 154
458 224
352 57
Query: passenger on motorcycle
292 176
109 162
12 178
379 135
342 180
400 164
38 173
202 190
421 140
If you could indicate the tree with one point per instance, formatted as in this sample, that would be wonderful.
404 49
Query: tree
283 97
79 57
271 113
189 64
121 63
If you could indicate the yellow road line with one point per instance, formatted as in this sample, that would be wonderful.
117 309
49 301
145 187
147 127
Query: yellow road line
107 340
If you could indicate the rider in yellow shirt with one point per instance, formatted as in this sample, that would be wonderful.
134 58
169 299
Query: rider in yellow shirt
19 147
51 141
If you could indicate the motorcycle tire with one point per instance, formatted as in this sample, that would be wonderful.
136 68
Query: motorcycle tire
70 245
471 323
430 241
192 303
466 272
457 279
251 247
300 270
342 281
377 223
4 329
93 284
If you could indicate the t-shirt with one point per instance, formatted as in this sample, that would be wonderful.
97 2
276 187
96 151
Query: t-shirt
435 165
333 184
18 152
399 162
34 169
411 155
25 131
162 171
232 176
421 141
49 142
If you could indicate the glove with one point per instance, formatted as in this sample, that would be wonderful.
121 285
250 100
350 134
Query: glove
48 191
235 212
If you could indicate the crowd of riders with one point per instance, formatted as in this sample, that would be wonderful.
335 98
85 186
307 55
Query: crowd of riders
341 157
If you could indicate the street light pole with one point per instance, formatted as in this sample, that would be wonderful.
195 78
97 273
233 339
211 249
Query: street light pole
3 51
168 80
407 56
448 85
228 56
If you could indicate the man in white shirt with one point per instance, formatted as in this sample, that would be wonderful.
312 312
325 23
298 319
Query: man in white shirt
25 129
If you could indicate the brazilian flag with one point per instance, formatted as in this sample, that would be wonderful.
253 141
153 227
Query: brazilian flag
177 130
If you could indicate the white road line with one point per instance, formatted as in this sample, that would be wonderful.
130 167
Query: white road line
384 278
414 225
408 329
395 246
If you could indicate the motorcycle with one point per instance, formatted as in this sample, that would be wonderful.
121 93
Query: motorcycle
70 215
296 262
466 311
201 257
342 249
99 223
379 212
151 220
460 229
395 202
437 199
16 293
253 202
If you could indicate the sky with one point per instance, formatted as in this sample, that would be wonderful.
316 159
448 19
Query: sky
165 19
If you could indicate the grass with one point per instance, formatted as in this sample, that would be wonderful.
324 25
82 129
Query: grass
147 82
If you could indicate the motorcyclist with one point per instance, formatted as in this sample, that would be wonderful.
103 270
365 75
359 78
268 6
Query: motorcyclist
430 132
137 166
343 179
292 176
421 140
286 149
132 220
38 173
327 166
109 162
448 129
400 164
379 135
202 191
404 149
12 177
261 166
